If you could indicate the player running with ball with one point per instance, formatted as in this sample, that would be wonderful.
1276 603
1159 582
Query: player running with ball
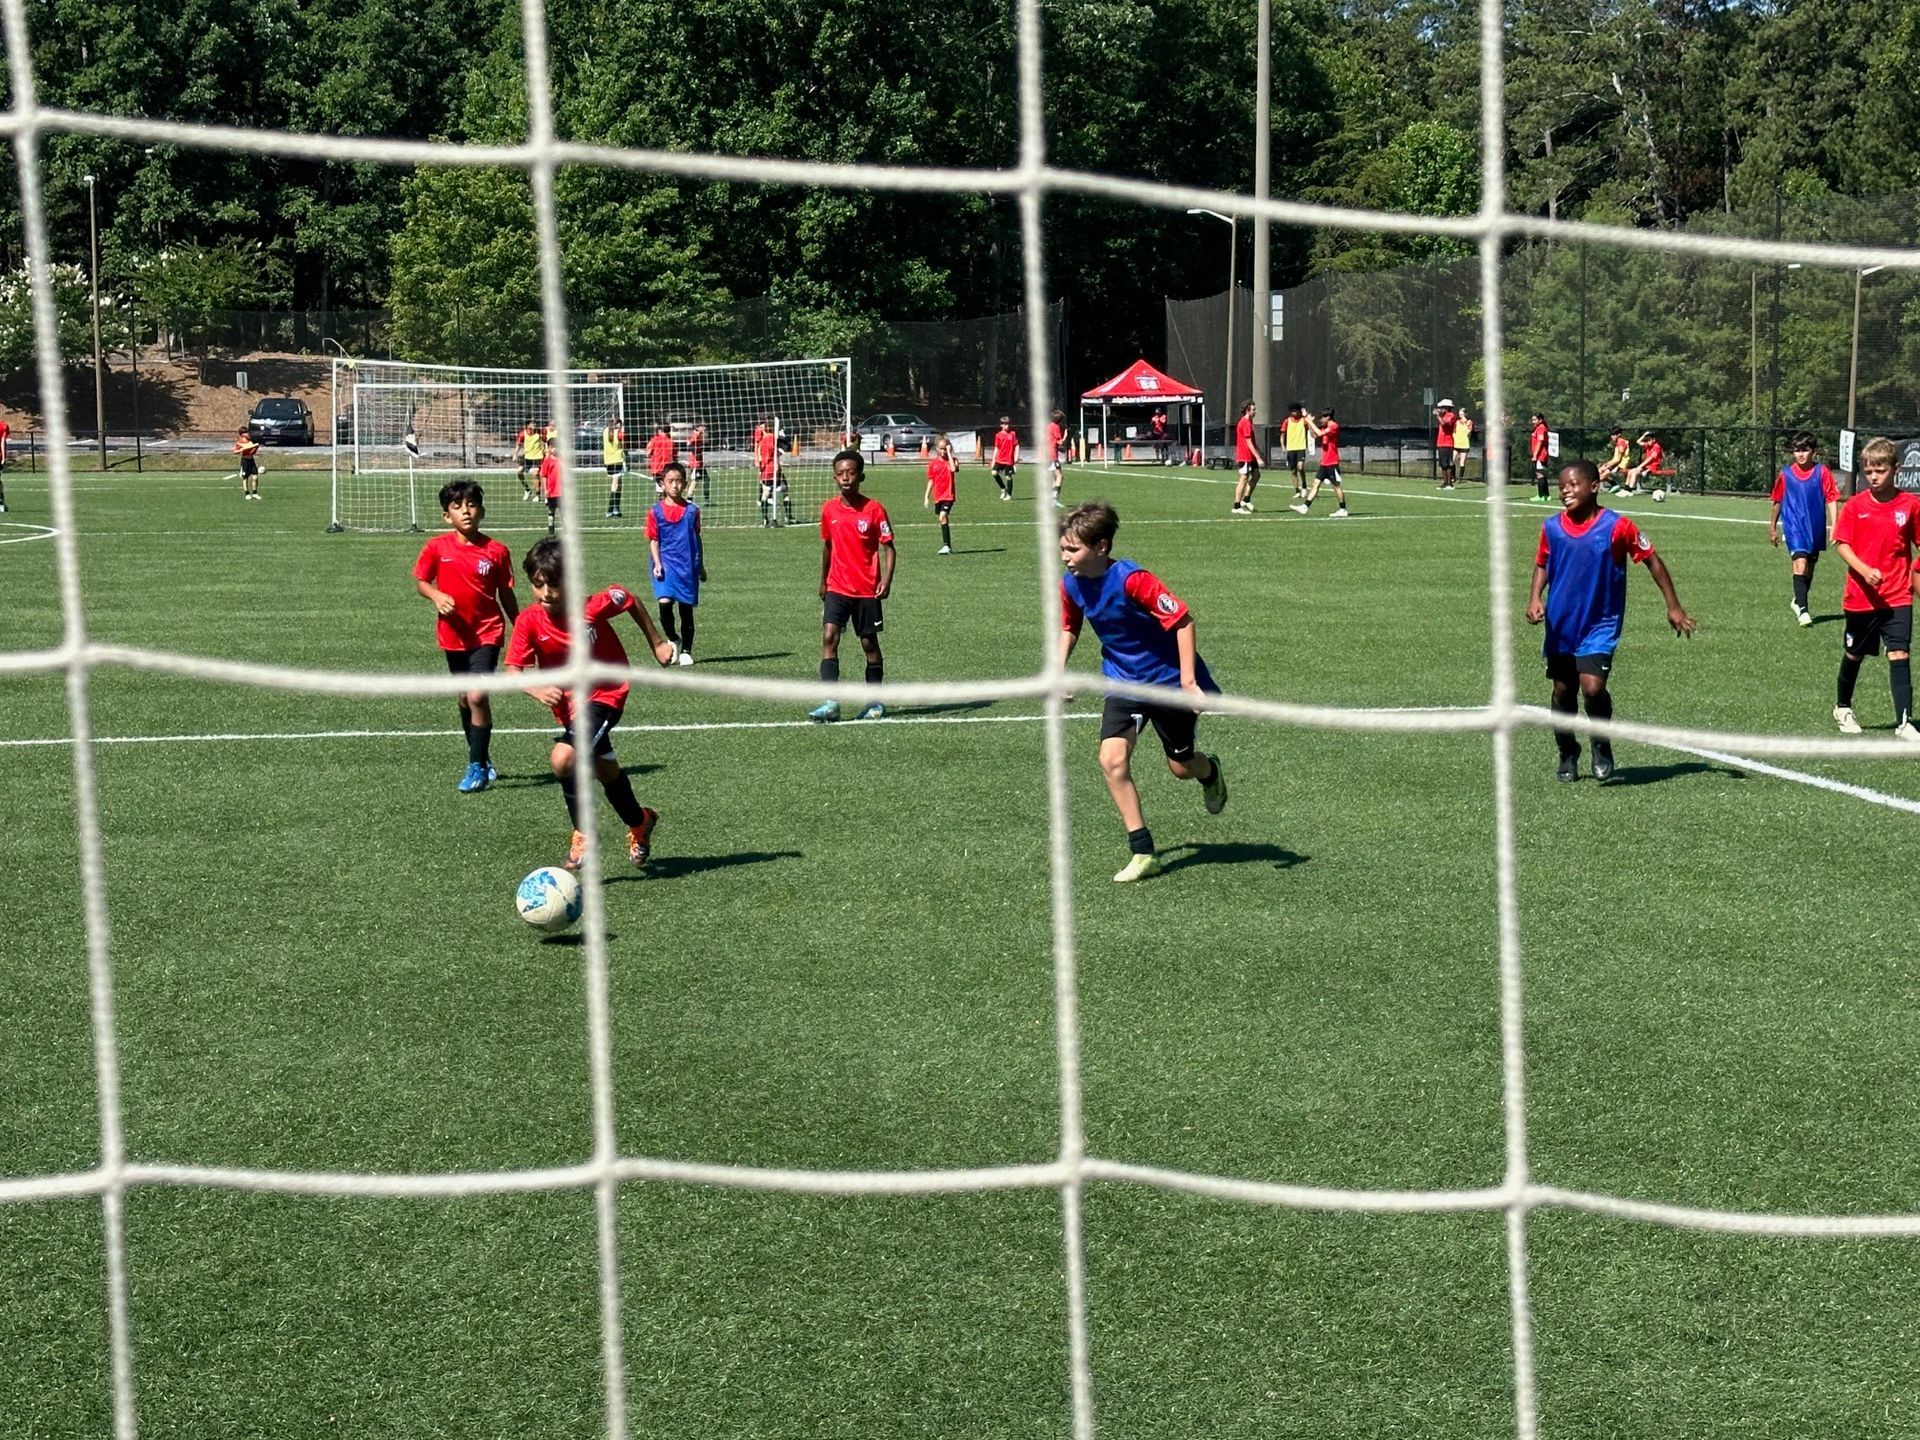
540 642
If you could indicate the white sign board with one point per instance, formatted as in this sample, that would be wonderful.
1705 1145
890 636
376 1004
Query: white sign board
1553 444
1846 450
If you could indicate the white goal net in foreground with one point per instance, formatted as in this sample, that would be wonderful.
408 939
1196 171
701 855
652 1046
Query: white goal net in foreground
1070 1170
403 430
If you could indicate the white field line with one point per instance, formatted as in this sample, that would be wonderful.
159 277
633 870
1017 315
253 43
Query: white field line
1720 757
39 532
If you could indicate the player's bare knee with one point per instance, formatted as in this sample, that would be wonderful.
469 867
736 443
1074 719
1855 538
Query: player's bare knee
1896 655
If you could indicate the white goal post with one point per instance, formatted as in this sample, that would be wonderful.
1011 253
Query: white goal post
402 430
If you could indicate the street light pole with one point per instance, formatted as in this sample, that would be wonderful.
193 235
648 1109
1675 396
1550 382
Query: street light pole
1853 357
99 371
1262 187
1233 304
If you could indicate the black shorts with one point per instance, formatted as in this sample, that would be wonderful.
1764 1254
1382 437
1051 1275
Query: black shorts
1572 667
1250 472
249 465
615 471
1330 472
1296 459
600 722
1127 718
943 508
861 614
481 660
1003 472
1868 630
1446 460
525 466
1539 469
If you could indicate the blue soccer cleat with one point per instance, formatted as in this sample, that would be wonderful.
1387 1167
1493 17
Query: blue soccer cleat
825 714
874 711
492 774
475 779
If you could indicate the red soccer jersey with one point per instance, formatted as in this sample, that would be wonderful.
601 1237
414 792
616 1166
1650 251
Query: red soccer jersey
854 535
1650 455
1330 444
1006 447
1880 534
697 445
1056 437
540 643
1243 441
1443 430
1537 444
475 576
763 448
940 476
1828 490
673 513
550 474
659 453
1627 542
5 431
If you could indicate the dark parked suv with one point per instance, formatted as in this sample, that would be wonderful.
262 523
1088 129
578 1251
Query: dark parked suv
281 420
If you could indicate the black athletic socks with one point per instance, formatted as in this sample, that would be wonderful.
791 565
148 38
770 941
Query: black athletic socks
830 672
1140 841
570 790
946 534
1801 585
1600 705
876 672
479 744
666 622
1849 677
1901 674
620 792
686 628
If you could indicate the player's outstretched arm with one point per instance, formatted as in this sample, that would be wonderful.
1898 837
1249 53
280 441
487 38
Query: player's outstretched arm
1683 623
1537 596
661 646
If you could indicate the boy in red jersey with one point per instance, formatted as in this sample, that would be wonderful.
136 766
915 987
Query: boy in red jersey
1651 454
540 642
550 485
1326 430
467 577
697 459
1537 447
1443 420
1006 454
1875 538
856 575
1246 455
1580 593
1056 451
248 449
773 479
5 431
940 489
1146 638
659 454
1806 497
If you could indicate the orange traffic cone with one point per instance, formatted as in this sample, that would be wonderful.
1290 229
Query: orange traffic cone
1126 452
891 454
1194 459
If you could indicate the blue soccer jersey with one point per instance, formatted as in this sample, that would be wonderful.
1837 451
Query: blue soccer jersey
1586 564
1803 498
677 528
1135 617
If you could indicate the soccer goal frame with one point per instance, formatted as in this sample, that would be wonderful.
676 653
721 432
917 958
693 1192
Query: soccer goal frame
396 425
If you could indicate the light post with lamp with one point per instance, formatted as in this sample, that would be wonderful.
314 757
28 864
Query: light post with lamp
1233 304
99 371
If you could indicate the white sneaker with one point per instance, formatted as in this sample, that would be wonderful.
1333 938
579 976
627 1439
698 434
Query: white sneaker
1140 867
1805 617
1843 717
686 658
944 550
1340 514
1905 731
1298 509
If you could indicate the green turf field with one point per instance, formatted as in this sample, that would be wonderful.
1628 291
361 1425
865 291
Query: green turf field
841 959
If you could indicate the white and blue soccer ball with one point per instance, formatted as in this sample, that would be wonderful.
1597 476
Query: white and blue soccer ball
549 899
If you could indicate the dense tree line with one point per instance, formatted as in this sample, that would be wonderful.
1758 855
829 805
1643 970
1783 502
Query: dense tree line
1655 113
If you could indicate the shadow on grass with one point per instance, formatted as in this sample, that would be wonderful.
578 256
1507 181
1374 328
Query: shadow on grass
1827 619
1654 774
742 659
958 707
574 942
532 782
675 867
984 550
1179 857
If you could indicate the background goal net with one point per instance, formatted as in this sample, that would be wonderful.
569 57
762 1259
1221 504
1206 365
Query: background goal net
402 430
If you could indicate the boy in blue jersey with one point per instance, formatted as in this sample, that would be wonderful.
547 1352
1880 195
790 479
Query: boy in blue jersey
1146 637
679 558
1580 591
1805 504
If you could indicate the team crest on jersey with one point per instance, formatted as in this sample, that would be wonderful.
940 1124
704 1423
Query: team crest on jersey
861 525
485 567
1166 604
617 595
1899 517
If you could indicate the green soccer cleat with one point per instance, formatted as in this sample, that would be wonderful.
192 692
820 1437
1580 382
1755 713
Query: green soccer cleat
1140 867
1215 790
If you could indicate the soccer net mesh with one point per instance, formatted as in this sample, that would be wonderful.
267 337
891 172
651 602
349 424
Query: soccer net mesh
402 430
1069 1171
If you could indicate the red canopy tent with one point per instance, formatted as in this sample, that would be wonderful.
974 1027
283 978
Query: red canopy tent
1140 384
